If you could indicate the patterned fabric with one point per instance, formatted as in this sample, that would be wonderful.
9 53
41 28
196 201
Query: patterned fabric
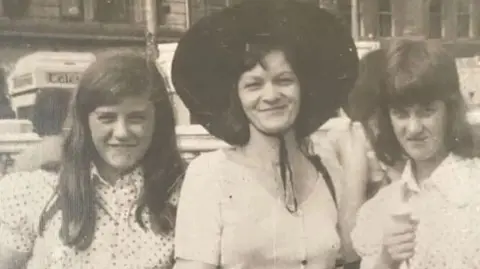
119 241
227 217
447 205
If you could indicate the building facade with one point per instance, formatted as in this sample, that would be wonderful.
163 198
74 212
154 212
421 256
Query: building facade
92 25
82 25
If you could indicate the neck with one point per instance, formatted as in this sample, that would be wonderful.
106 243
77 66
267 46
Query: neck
108 173
266 148
423 169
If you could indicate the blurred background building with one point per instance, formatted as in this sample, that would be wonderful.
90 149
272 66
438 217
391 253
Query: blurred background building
89 26
27 26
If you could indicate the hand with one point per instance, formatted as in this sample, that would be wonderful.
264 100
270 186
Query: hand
399 240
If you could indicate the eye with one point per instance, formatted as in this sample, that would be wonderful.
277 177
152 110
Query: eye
137 118
285 81
399 113
253 85
427 111
106 117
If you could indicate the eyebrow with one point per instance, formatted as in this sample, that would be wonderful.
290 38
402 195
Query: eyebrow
286 72
108 111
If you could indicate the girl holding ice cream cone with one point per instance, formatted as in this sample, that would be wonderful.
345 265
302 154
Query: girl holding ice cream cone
428 218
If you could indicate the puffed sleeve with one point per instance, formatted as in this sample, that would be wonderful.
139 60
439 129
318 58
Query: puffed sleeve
198 226
22 199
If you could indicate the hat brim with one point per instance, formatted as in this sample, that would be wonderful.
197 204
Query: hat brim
209 57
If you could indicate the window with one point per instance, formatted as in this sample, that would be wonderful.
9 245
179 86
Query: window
463 18
345 12
113 11
202 8
163 9
435 19
72 10
385 18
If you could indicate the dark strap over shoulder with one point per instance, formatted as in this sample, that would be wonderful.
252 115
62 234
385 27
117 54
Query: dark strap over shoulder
317 162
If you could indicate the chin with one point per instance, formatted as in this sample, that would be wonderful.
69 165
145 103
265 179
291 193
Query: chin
122 166
274 130
419 157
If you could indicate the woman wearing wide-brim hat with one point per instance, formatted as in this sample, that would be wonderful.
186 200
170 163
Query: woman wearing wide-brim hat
262 76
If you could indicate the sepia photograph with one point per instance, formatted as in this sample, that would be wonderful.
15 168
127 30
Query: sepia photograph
240 134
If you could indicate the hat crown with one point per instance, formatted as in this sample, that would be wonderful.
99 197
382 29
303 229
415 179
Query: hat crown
211 57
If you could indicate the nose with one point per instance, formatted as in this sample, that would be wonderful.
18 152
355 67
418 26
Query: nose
414 125
270 93
120 130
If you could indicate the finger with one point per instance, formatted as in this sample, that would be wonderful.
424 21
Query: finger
400 239
399 228
414 219
400 257
403 247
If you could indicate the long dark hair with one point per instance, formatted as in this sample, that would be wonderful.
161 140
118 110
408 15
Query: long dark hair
6 111
112 77
364 101
239 124
50 110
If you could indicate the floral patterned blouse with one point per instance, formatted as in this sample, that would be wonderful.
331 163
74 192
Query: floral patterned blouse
447 205
119 242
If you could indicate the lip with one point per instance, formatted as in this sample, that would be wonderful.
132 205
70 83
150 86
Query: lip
121 145
417 140
276 108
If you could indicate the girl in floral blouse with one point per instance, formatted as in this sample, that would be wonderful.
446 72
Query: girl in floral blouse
430 217
113 204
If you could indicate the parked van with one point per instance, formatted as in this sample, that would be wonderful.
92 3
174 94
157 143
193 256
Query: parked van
44 69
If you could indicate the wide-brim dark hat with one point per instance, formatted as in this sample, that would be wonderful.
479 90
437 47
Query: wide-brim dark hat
209 59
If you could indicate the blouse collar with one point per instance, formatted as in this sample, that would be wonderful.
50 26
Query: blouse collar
120 196
453 178
134 177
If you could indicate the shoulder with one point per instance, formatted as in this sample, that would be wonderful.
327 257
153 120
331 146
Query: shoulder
466 174
23 197
47 151
207 161
204 172
23 181
27 187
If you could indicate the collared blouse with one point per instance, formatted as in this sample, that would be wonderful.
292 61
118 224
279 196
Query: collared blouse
447 205
119 242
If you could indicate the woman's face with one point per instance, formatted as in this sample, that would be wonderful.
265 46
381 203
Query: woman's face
420 129
122 133
270 94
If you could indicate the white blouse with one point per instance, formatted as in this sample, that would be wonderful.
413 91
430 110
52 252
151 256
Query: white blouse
447 205
118 242
227 218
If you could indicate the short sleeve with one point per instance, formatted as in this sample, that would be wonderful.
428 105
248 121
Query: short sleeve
22 198
198 226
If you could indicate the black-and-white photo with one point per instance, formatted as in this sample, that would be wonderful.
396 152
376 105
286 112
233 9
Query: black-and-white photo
239 134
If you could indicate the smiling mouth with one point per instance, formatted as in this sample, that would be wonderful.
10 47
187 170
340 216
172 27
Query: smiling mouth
417 139
277 108
122 146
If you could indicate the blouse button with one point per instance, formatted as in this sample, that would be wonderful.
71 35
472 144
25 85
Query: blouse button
304 262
